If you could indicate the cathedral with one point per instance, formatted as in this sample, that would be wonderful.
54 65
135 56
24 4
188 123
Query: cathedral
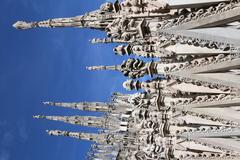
190 107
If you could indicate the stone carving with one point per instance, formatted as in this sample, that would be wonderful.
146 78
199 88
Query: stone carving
153 6
201 13
190 107
148 51
132 68
153 86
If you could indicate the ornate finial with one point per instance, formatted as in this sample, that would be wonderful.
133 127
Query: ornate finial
24 25
113 68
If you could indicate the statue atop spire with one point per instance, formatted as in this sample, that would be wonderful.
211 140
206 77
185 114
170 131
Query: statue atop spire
24 25
132 68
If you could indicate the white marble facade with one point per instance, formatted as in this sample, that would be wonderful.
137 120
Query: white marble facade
190 107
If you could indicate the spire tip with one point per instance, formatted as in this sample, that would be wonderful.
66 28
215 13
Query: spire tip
47 103
89 68
23 25
37 117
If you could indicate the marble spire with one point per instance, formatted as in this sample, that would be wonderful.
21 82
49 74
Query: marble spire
93 20
114 68
86 106
83 136
89 121
102 138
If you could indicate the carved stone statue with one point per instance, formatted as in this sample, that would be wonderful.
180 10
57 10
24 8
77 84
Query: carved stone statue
156 6
148 51
107 7
154 86
23 25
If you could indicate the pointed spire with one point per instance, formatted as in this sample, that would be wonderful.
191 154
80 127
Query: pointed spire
89 121
99 40
96 19
107 40
51 23
113 68
90 20
85 106
98 138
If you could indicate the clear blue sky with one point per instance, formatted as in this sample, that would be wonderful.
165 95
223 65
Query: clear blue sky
48 65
